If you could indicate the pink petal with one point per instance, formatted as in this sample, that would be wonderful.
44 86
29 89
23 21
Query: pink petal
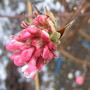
36 43
38 52
33 60
40 63
52 46
45 36
15 55
33 29
17 38
50 56
46 52
15 45
18 61
12 45
26 54
32 67
23 46
40 20
25 34
36 22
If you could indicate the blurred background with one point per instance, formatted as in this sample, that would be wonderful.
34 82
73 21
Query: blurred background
73 52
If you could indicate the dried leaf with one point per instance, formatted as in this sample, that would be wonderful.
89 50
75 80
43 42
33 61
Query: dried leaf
52 26
48 13
64 30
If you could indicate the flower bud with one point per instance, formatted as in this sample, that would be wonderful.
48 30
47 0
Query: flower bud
17 38
33 60
50 57
46 52
45 36
25 34
26 54
38 52
12 46
51 46
36 43
32 67
40 20
18 61
40 63
23 46
15 55
33 29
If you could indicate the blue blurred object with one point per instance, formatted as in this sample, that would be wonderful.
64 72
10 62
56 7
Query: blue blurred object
58 65
86 44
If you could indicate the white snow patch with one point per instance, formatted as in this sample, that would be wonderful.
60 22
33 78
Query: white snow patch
21 7
68 1
51 5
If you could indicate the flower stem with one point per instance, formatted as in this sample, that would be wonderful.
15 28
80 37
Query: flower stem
29 8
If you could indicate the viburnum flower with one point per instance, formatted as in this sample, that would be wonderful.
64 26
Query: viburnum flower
35 44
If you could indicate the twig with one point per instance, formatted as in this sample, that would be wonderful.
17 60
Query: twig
29 9
84 35
58 14
77 60
37 86
71 13
16 16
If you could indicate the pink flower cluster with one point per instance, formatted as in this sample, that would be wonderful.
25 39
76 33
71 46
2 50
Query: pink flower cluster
34 46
